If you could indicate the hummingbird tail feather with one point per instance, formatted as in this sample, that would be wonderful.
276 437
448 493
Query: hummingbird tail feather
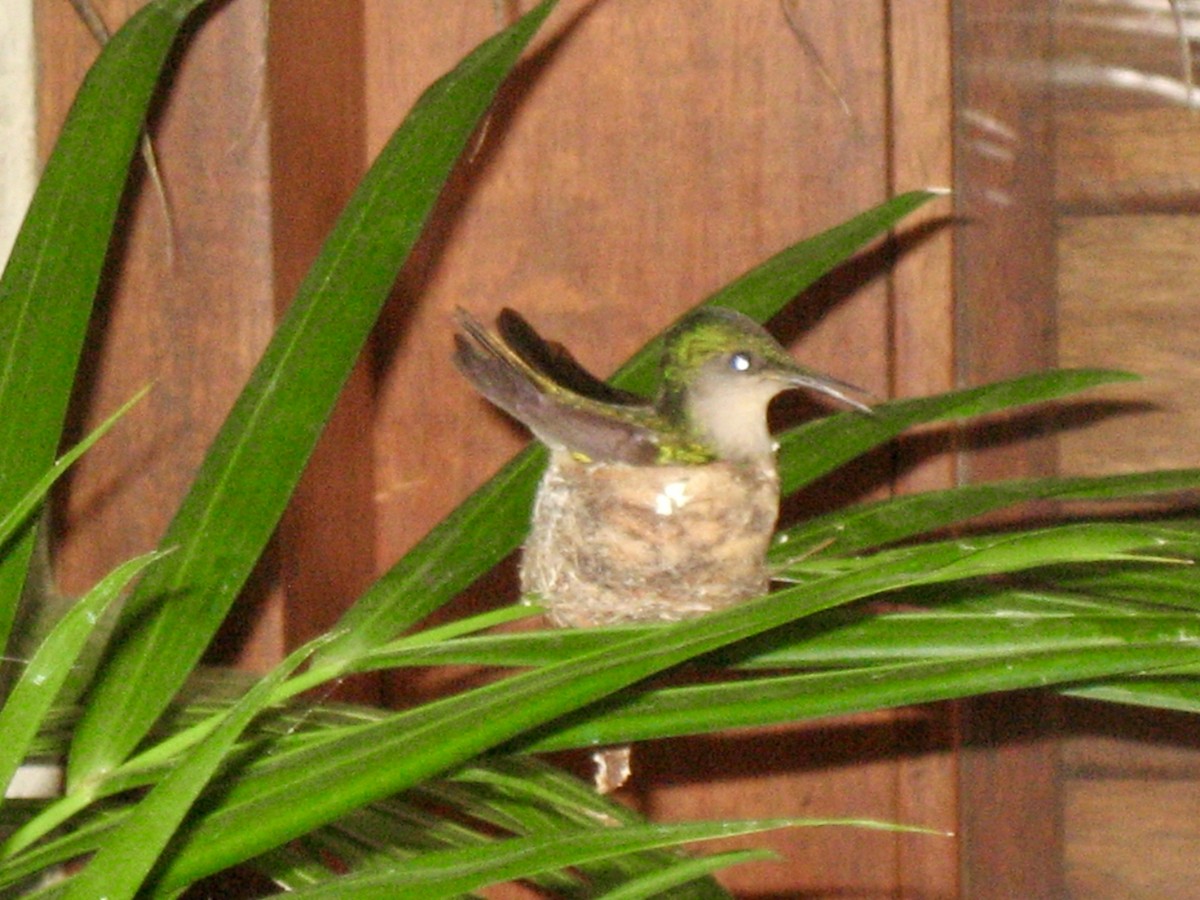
494 369
557 414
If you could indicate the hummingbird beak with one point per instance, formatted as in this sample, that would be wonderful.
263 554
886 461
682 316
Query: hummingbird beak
826 384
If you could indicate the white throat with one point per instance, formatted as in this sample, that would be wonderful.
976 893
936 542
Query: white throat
731 414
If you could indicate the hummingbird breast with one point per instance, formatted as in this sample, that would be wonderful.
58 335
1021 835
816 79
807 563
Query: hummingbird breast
615 542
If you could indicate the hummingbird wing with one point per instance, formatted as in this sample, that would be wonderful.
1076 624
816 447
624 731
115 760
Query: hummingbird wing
558 415
555 361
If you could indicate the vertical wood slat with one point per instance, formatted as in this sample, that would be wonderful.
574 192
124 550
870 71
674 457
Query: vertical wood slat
922 303
1128 194
1005 269
315 87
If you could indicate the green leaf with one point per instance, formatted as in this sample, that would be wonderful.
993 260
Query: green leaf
840 639
846 641
257 458
988 554
818 447
45 674
1179 693
794 698
82 838
886 521
1162 586
21 510
48 287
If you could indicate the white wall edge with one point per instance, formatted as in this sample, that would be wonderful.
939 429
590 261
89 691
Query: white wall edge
18 117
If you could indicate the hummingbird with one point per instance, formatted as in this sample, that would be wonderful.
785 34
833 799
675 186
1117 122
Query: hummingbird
649 509
719 371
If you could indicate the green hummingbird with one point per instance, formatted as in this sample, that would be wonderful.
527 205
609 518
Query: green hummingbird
719 371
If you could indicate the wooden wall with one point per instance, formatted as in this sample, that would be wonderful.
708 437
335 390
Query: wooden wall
1128 231
187 302
1009 816
645 154
1077 179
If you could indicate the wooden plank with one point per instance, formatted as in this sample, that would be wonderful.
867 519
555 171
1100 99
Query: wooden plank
1135 839
922 301
1127 273
1126 286
1004 282
1128 161
317 128
922 156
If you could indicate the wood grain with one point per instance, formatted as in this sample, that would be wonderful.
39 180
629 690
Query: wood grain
920 43
1125 301
317 127
1128 161
1135 839
1126 291
1004 280
1127 190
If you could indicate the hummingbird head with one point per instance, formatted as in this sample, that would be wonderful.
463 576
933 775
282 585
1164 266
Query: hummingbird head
720 371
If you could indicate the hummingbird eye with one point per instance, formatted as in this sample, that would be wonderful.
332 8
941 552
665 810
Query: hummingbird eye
741 361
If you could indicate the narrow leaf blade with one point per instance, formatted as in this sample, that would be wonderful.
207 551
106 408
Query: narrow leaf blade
894 519
817 448
20 511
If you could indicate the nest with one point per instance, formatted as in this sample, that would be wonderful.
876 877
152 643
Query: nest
612 542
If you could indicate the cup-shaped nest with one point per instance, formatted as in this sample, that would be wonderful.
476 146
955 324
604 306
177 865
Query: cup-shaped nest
612 543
